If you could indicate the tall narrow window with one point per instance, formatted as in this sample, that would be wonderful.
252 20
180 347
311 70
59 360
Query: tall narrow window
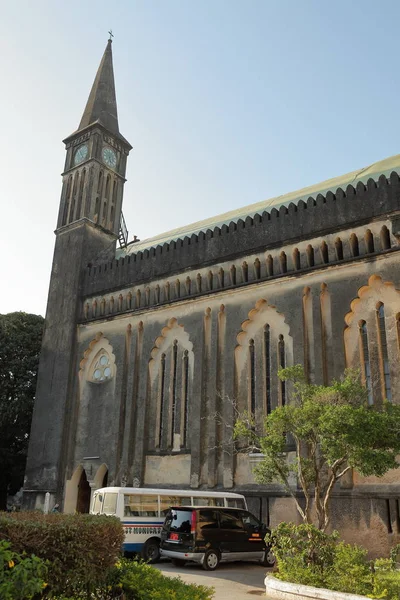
185 397
366 367
296 259
80 196
245 272
252 379
324 252
162 399
384 353
282 364
107 190
74 196
339 249
385 238
354 245
173 406
233 275
310 255
283 262
67 201
267 350
398 330
270 265
369 242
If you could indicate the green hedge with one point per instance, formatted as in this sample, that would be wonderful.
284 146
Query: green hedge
307 556
81 549
140 581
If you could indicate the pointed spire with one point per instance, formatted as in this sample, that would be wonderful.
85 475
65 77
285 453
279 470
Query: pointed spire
102 103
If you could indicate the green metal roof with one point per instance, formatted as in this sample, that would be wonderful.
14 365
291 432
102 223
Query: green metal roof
383 167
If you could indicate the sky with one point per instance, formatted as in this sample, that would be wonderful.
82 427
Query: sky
225 102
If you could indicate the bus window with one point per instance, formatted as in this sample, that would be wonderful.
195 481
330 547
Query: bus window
98 501
204 501
167 501
235 503
140 506
110 504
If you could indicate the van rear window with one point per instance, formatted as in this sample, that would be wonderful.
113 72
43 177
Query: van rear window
235 503
178 520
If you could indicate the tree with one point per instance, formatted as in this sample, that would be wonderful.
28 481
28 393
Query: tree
20 341
333 429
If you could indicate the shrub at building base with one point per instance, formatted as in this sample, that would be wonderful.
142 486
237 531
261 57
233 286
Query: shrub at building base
81 549
21 577
140 581
305 555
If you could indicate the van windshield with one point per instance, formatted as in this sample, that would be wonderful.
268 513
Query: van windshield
178 520
110 503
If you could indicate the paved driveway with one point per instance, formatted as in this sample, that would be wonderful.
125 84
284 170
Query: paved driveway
232 581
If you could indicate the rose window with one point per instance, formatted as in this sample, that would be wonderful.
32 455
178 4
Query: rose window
102 370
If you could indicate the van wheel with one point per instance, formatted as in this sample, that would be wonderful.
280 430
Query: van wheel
269 558
211 560
178 562
151 551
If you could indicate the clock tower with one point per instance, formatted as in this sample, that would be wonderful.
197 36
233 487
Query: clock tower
87 230
95 164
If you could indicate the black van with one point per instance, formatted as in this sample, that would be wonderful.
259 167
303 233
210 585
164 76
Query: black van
209 535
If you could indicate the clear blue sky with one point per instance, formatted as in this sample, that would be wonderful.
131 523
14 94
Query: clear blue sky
226 103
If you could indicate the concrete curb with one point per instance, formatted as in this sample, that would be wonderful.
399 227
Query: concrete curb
283 590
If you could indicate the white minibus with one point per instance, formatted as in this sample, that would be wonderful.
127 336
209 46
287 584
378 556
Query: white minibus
142 512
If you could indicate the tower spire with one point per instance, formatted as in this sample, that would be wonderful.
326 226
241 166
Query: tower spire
101 106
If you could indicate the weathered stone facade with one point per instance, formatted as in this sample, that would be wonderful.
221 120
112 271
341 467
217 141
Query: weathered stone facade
147 348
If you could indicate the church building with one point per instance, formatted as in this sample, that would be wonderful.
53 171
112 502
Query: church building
150 346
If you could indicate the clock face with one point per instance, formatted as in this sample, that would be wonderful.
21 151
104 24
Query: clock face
109 157
80 154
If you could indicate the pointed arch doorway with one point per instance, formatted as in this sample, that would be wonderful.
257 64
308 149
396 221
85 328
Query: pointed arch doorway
83 499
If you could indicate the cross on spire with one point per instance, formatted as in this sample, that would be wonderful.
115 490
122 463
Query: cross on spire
111 35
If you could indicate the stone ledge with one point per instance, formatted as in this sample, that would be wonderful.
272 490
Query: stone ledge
283 590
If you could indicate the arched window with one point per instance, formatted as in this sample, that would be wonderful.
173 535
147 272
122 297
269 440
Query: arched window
369 242
296 259
267 365
171 374
67 201
310 255
185 410
173 403
354 245
398 330
282 364
385 238
74 198
264 346
245 272
365 364
101 368
233 275
162 400
339 249
270 266
252 379
283 262
80 196
383 351
324 253
107 190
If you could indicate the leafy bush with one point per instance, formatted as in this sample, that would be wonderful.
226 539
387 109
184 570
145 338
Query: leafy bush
81 549
140 581
303 553
350 571
307 556
21 577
